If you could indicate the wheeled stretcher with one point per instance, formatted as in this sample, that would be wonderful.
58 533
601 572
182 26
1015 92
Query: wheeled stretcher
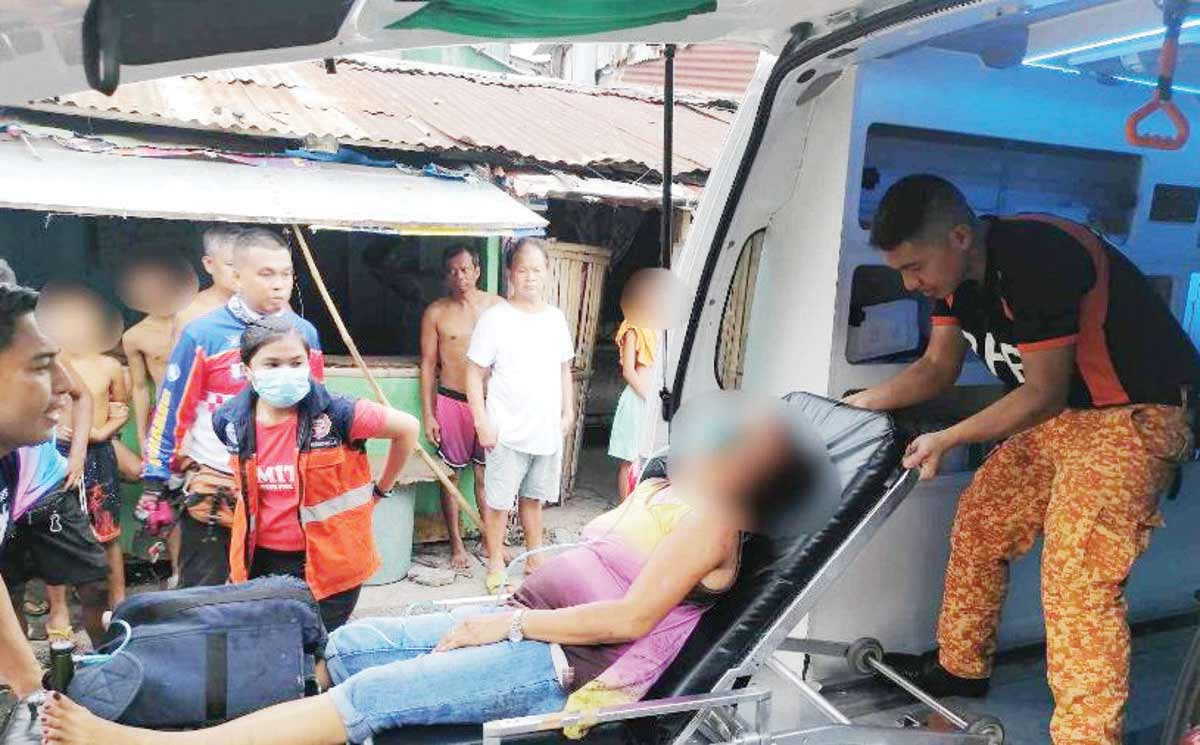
706 694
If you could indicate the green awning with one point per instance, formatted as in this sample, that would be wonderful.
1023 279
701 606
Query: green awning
536 19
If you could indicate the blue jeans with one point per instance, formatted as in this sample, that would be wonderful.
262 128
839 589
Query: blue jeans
385 677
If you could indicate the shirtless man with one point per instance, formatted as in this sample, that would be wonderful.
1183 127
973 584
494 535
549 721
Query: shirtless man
218 263
86 327
445 333
161 287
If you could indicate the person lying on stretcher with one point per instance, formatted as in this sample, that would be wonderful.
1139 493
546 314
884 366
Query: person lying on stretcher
595 627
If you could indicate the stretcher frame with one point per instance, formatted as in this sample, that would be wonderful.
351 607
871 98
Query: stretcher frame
715 716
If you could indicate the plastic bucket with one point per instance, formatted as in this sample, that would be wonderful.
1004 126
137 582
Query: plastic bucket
393 526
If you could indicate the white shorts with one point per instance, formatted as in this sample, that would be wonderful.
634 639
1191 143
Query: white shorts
511 474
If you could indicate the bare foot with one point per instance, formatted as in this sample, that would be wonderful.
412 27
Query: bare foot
460 560
510 554
67 723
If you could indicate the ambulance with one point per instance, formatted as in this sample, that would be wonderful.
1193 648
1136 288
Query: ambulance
1078 108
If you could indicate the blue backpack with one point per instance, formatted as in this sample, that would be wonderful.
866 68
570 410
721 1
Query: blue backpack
205 654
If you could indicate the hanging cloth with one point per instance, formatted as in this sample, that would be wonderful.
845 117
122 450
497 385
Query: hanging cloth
540 19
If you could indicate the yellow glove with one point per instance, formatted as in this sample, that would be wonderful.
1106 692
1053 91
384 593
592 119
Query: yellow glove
587 700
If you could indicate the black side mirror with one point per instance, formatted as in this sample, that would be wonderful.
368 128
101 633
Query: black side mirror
102 44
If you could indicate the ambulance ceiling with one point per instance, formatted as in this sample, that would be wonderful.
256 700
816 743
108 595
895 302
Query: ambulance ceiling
1118 41
1115 42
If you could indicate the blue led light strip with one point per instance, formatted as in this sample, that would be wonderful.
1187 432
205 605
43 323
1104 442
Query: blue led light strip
1105 77
1042 60
1149 34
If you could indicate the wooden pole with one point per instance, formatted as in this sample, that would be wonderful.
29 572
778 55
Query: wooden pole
442 476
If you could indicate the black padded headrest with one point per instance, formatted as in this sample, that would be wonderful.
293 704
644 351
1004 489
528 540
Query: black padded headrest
866 451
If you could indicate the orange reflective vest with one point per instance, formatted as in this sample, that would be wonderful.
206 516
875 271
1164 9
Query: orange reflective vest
335 486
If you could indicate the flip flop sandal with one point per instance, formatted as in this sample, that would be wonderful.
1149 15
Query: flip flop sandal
36 607
66 634
495 584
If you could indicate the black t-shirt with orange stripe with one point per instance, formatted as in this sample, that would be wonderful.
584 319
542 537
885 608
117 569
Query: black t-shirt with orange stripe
1051 282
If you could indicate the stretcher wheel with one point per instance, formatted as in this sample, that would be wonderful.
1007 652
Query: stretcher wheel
990 728
860 652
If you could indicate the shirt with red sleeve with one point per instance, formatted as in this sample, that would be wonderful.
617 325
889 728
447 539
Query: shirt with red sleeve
278 453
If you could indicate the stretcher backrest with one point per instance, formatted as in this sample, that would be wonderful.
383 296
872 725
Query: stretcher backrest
866 451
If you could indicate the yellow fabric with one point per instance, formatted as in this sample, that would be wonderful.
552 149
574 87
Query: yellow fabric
643 519
646 516
647 342
590 698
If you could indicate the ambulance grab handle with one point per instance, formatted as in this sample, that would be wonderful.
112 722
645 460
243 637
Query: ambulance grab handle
1157 142
1173 14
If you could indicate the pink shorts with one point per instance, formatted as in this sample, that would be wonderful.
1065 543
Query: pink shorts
460 444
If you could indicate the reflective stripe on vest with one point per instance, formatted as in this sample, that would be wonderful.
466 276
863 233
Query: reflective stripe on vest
330 508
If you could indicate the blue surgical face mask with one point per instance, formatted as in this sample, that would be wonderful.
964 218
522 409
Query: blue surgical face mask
282 386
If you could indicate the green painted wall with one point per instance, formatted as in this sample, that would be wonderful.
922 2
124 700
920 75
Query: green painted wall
491 264
133 542
404 394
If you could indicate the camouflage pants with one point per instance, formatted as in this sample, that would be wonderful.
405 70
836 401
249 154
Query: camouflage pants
1089 480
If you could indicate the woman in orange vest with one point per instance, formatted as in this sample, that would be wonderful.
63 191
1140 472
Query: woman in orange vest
299 459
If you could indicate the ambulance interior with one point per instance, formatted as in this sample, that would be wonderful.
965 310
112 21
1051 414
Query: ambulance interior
1024 110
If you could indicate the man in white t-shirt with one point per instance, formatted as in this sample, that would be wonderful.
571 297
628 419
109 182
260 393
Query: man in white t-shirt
530 403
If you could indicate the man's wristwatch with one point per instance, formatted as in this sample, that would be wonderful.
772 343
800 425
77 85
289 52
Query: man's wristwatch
515 632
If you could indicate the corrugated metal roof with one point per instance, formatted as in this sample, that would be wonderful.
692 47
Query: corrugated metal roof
407 106
558 185
46 175
713 68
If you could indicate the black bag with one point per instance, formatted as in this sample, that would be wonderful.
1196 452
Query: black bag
205 654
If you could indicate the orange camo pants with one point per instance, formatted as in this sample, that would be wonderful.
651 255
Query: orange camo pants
1089 480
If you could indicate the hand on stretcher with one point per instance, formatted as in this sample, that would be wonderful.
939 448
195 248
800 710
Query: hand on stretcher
925 453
